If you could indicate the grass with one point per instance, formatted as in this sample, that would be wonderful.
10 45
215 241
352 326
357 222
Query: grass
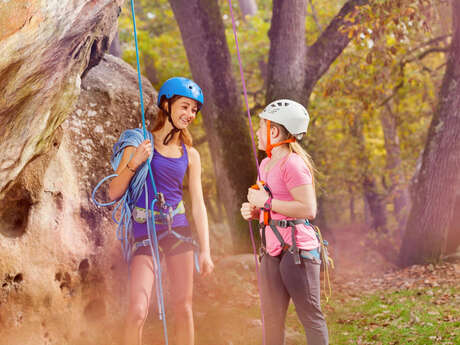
422 316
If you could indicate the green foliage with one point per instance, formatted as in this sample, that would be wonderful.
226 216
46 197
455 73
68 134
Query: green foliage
159 39
382 67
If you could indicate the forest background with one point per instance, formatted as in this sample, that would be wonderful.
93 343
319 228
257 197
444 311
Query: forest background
378 68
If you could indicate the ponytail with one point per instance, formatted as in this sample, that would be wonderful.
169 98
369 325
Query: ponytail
296 148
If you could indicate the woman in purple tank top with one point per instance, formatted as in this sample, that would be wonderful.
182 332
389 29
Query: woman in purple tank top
179 100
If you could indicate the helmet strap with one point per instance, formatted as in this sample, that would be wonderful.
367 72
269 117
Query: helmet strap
174 130
270 146
170 135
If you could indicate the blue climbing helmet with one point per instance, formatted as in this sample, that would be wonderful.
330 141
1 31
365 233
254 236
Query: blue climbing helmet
179 86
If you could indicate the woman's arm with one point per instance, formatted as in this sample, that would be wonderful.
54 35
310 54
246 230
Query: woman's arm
132 158
303 205
199 209
196 192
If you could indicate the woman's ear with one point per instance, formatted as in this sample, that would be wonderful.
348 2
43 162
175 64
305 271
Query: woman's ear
275 132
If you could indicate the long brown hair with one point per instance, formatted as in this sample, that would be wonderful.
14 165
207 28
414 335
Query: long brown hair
184 135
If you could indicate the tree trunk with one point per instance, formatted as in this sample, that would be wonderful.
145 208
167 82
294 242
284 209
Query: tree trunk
293 68
453 234
248 7
373 198
434 195
286 59
376 204
202 30
398 188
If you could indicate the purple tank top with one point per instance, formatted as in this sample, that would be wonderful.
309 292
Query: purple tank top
168 174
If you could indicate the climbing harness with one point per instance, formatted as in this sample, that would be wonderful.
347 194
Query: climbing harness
318 255
164 216
283 223
161 217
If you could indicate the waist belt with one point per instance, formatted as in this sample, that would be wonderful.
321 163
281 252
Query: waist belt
140 214
284 223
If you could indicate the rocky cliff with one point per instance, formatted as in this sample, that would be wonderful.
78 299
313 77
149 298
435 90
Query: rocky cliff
63 103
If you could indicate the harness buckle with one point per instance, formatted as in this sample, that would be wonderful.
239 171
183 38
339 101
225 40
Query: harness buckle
283 223
161 199
286 247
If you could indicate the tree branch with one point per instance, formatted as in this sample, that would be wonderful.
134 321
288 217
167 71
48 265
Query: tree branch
329 45
429 42
403 64
425 53
395 90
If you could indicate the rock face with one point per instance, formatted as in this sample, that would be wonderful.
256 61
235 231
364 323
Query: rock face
45 46
62 277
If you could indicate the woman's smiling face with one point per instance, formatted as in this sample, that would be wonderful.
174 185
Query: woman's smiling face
183 112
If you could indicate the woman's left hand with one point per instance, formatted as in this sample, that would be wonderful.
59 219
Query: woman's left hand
206 264
258 197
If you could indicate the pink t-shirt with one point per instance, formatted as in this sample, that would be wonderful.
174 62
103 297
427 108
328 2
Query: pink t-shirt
289 172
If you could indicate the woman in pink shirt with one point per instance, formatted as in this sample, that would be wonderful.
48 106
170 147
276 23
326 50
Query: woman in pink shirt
284 204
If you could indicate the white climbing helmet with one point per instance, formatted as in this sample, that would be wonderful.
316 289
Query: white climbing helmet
292 115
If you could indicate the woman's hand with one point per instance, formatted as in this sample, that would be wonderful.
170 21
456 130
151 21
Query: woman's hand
249 211
258 197
142 153
206 264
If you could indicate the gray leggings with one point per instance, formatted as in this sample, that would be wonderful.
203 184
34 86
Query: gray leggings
281 280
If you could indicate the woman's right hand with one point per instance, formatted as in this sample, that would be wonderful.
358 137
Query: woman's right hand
142 153
248 211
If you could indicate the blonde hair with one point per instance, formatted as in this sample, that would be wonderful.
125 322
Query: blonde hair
296 148
185 135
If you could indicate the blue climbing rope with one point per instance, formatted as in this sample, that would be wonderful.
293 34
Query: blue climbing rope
150 230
